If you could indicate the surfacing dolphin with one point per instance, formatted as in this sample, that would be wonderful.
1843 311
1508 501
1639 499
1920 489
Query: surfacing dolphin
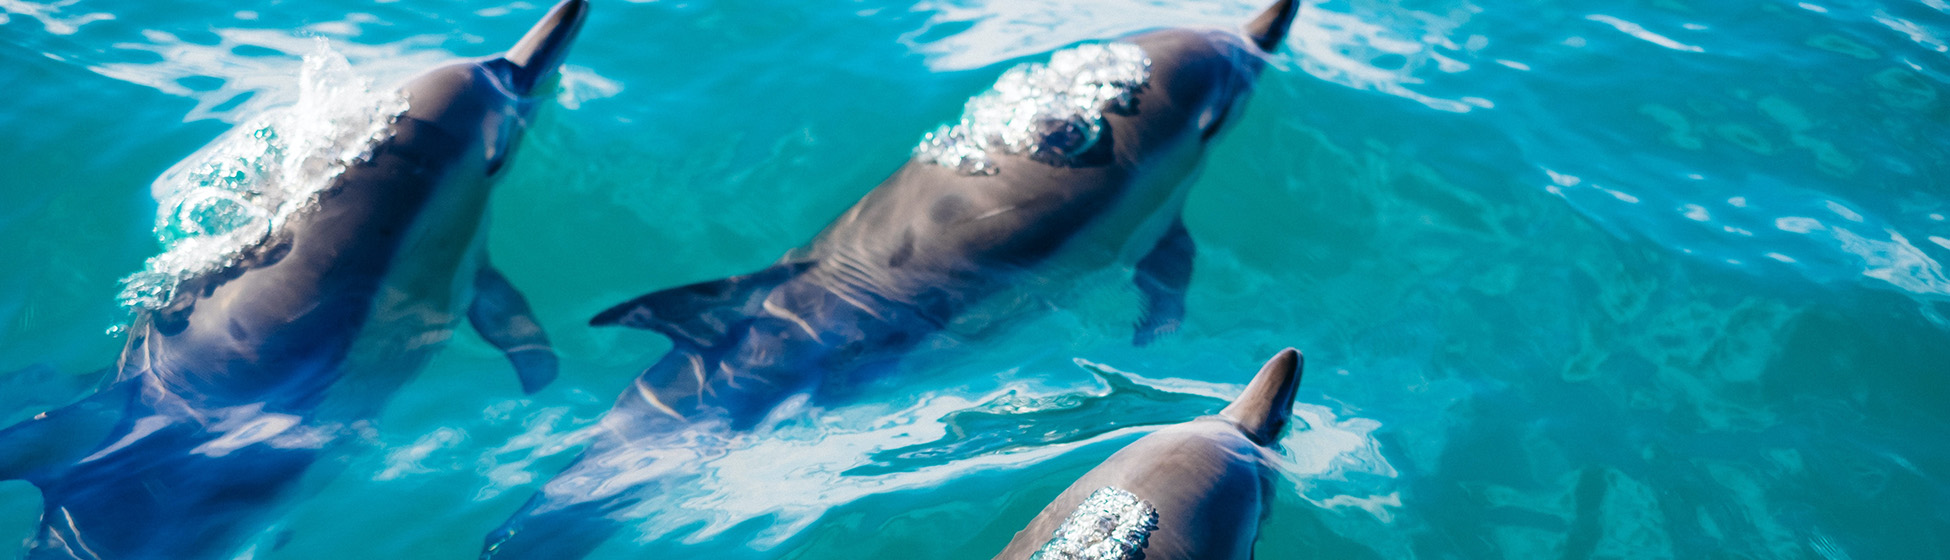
1064 167
1193 491
229 393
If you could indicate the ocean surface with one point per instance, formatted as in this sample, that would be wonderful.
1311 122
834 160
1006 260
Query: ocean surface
1657 279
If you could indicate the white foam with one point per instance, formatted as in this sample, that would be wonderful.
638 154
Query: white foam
1051 112
240 189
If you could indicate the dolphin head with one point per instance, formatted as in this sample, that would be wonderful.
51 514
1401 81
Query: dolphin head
488 103
1130 101
1199 76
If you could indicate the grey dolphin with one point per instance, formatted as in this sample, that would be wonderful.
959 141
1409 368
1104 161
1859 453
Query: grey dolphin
224 397
1071 166
1193 491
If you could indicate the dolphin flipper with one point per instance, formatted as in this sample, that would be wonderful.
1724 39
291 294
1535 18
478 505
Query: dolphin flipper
1162 277
501 315
702 313
62 436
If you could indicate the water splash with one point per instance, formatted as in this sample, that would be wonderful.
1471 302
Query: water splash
239 190
1052 113
1111 524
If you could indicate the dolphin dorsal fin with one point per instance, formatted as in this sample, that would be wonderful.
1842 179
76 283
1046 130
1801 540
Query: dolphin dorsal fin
1262 410
701 314
1270 28
539 52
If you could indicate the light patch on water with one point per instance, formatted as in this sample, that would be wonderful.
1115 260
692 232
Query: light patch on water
1917 33
1050 112
1696 213
1563 179
49 14
579 85
1640 32
249 70
410 459
1896 261
544 435
240 189
1514 64
1386 48
1843 211
1350 48
1793 224
1816 8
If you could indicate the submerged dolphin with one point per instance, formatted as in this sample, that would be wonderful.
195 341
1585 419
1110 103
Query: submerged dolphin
1066 167
227 394
1194 491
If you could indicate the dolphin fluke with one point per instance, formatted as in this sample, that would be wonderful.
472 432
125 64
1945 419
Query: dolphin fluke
1270 28
1261 412
539 52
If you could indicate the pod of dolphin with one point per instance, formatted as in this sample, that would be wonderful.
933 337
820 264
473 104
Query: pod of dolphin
226 398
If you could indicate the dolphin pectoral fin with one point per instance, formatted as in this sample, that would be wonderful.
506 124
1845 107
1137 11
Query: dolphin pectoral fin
702 313
1162 277
62 436
501 315
1263 409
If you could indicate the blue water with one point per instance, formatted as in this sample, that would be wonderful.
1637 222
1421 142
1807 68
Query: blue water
1656 279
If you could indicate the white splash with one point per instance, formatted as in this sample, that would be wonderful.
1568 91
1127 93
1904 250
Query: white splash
1050 112
234 193
1111 524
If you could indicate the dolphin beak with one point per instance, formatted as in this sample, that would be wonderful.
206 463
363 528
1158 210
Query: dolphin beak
539 52
1270 28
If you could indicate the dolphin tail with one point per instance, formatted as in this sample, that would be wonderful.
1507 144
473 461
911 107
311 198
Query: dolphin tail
537 55
1270 28
1262 411
62 436
704 313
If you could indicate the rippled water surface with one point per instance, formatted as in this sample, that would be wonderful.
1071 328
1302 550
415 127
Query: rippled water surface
1647 279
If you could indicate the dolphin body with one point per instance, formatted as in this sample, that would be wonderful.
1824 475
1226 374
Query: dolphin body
227 394
1071 166
1194 491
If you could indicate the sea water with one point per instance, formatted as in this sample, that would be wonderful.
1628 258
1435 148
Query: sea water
1620 280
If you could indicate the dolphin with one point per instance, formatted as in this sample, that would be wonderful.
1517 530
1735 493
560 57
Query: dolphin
1193 491
227 394
1074 165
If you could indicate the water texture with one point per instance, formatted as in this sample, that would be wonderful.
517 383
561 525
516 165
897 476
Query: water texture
1652 280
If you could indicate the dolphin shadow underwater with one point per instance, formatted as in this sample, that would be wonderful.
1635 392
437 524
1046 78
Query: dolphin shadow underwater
1062 168
1193 491
226 395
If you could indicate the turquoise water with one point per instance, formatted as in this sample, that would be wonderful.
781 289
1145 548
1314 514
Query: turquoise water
1638 280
